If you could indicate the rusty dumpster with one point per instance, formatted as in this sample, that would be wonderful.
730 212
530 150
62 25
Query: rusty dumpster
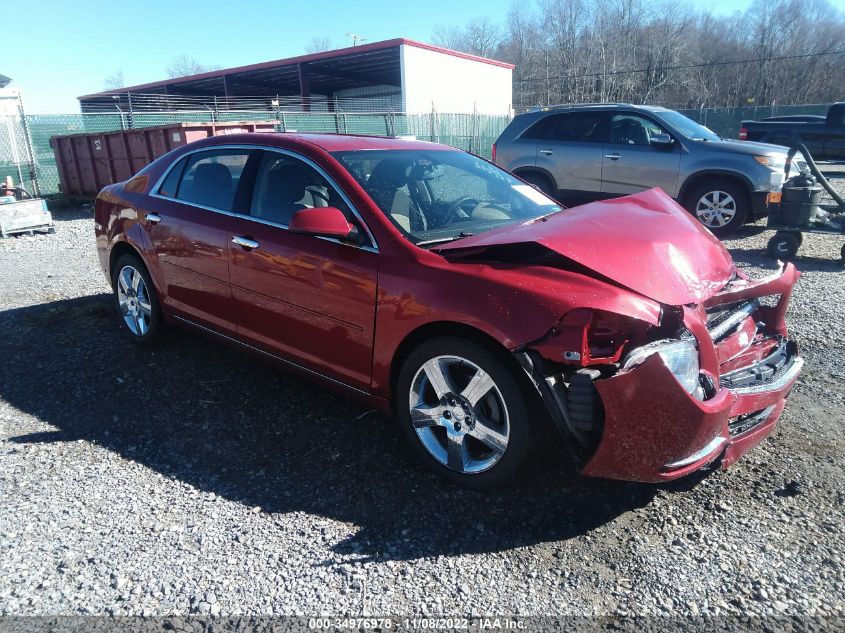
89 162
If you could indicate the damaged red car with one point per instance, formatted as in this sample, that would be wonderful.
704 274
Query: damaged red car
435 285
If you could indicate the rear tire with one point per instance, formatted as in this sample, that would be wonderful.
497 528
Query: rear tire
720 205
136 299
464 412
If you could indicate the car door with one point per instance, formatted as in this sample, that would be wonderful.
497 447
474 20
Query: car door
189 232
309 299
569 147
631 163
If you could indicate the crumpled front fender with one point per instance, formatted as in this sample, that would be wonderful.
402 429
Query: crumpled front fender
651 421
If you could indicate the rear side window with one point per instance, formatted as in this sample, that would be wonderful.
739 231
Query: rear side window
171 183
211 178
573 127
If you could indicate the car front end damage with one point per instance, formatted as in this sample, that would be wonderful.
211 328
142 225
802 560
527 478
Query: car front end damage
655 402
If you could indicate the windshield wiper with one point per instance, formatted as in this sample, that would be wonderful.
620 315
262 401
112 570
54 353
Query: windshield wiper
451 238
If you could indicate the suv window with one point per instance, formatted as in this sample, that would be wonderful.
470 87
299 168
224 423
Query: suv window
630 129
574 127
211 178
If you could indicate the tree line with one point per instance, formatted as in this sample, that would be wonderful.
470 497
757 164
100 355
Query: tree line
776 52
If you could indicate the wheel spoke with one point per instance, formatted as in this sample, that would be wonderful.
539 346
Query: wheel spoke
145 306
423 416
456 452
439 382
136 280
480 384
484 432
123 280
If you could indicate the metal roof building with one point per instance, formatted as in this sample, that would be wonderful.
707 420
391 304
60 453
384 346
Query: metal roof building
398 75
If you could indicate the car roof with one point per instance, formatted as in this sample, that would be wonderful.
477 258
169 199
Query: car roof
327 141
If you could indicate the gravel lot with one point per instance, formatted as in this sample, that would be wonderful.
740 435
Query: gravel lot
195 479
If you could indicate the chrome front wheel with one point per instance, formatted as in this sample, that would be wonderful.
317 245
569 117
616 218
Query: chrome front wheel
459 414
464 409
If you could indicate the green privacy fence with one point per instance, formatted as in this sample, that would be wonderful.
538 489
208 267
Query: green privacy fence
475 133
472 132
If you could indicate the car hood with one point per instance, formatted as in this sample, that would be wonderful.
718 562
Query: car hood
746 147
645 242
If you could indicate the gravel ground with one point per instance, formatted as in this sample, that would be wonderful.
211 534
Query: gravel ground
195 479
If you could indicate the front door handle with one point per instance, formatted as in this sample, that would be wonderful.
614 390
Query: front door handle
547 152
153 218
614 156
246 242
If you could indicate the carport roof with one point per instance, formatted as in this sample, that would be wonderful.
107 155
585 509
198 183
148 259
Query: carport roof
377 62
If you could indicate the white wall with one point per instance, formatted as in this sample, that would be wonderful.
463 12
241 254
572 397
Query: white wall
453 84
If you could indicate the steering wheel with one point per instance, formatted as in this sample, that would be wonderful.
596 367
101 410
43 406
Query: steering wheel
451 212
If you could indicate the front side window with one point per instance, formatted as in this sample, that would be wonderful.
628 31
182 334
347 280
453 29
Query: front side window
211 178
437 196
572 127
630 129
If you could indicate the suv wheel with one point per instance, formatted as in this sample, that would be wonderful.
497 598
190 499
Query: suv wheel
541 182
720 205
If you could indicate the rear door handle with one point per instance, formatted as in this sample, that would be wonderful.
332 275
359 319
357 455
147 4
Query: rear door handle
245 242
153 218
547 152
614 156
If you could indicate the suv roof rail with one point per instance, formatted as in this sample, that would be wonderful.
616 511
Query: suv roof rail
566 106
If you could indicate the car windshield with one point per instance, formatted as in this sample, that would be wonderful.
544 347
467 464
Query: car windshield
440 195
688 127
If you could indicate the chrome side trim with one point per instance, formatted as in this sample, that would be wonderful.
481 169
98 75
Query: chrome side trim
734 320
372 247
285 361
775 385
714 444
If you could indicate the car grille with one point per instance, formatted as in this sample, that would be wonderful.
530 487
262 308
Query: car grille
768 370
722 320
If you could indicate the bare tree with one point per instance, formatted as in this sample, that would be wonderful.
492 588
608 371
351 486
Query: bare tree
114 80
184 65
318 44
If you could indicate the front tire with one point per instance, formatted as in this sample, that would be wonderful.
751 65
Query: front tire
720 205
136 299
464 412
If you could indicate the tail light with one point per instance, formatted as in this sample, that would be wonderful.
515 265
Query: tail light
493 153
743 134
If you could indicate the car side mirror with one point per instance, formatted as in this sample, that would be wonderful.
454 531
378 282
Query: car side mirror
661 140
321 221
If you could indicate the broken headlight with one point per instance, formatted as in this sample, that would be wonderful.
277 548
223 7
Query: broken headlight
679 356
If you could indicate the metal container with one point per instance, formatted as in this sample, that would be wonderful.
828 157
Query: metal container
89 162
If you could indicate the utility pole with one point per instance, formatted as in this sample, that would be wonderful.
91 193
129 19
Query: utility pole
356 38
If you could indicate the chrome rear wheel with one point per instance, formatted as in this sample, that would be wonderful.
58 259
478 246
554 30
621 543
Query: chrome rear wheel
134 301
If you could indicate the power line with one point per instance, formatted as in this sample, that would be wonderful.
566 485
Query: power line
686 66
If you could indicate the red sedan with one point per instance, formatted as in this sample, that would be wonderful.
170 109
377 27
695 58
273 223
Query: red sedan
434 284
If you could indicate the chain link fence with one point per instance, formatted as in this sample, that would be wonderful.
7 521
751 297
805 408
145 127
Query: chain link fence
26 155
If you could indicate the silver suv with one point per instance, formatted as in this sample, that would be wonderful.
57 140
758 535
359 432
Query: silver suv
579 153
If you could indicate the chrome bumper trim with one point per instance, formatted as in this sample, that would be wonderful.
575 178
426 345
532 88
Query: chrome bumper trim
714 444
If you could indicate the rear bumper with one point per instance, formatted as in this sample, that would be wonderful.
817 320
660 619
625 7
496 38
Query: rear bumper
655 431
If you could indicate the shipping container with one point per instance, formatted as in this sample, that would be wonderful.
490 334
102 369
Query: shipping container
89 162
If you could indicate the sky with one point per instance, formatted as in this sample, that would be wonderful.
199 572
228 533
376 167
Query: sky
57 50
